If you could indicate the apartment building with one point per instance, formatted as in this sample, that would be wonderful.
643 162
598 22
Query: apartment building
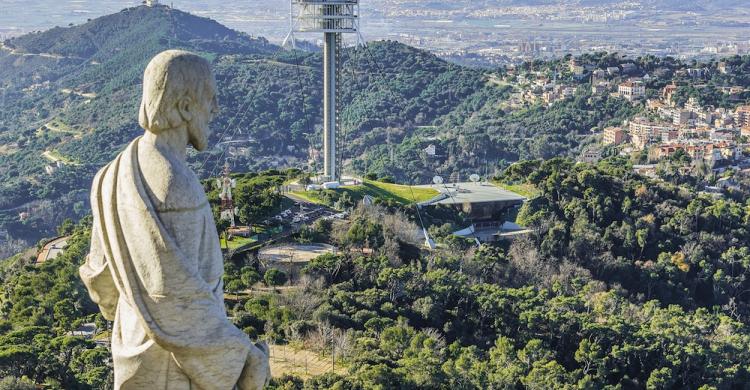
614 136
632 90
644 133
742 116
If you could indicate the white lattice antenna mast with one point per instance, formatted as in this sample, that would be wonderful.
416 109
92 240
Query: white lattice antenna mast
226 183
289 40
332 18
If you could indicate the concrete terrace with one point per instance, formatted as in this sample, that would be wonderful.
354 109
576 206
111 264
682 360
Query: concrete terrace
481 202
52 249
471 193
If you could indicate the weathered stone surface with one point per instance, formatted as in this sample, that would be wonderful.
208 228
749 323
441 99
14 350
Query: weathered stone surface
155 265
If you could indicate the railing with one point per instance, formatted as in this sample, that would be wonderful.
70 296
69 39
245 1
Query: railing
336 16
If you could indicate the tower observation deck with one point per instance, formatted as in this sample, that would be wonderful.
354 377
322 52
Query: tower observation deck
332 18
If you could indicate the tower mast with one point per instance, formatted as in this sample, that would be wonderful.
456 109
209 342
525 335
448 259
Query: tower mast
332 18
330 111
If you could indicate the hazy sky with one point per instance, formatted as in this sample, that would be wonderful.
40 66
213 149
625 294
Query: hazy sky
381 19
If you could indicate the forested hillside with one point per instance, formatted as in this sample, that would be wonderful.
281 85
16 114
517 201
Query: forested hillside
625 282
620 282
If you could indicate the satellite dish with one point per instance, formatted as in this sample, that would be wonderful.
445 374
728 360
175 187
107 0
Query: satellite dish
437 180
475 178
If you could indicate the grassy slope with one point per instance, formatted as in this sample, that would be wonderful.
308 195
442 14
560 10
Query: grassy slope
526 190
401 193
397 192
236 242
310 196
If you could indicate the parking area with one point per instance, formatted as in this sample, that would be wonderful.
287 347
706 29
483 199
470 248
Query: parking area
305 213
288 222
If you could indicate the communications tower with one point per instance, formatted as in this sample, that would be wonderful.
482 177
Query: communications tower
332 18
226 183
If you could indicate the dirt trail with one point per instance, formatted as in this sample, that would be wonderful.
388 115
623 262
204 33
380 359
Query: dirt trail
15 52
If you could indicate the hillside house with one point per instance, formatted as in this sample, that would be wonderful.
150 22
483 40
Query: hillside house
632 90
614 136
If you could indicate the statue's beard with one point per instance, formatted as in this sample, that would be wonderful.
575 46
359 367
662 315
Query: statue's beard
198 138
200 144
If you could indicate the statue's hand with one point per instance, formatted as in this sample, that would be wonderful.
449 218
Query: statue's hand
257 371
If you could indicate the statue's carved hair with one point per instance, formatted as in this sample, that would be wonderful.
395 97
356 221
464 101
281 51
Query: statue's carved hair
170 77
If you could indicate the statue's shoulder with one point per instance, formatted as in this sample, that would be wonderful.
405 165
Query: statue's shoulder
184 190
170 183
111 167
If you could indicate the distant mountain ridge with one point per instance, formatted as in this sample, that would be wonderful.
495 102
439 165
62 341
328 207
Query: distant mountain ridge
127 26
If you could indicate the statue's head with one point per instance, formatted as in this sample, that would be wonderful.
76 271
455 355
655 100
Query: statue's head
179 89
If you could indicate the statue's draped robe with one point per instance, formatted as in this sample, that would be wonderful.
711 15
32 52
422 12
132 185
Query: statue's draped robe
157 274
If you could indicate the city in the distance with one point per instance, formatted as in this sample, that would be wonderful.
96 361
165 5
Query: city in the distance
488 32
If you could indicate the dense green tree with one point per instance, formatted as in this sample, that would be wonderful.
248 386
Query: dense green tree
274 277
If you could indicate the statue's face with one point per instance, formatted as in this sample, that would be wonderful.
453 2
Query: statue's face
204 111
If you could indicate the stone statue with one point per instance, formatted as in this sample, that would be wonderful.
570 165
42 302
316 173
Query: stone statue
155 265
